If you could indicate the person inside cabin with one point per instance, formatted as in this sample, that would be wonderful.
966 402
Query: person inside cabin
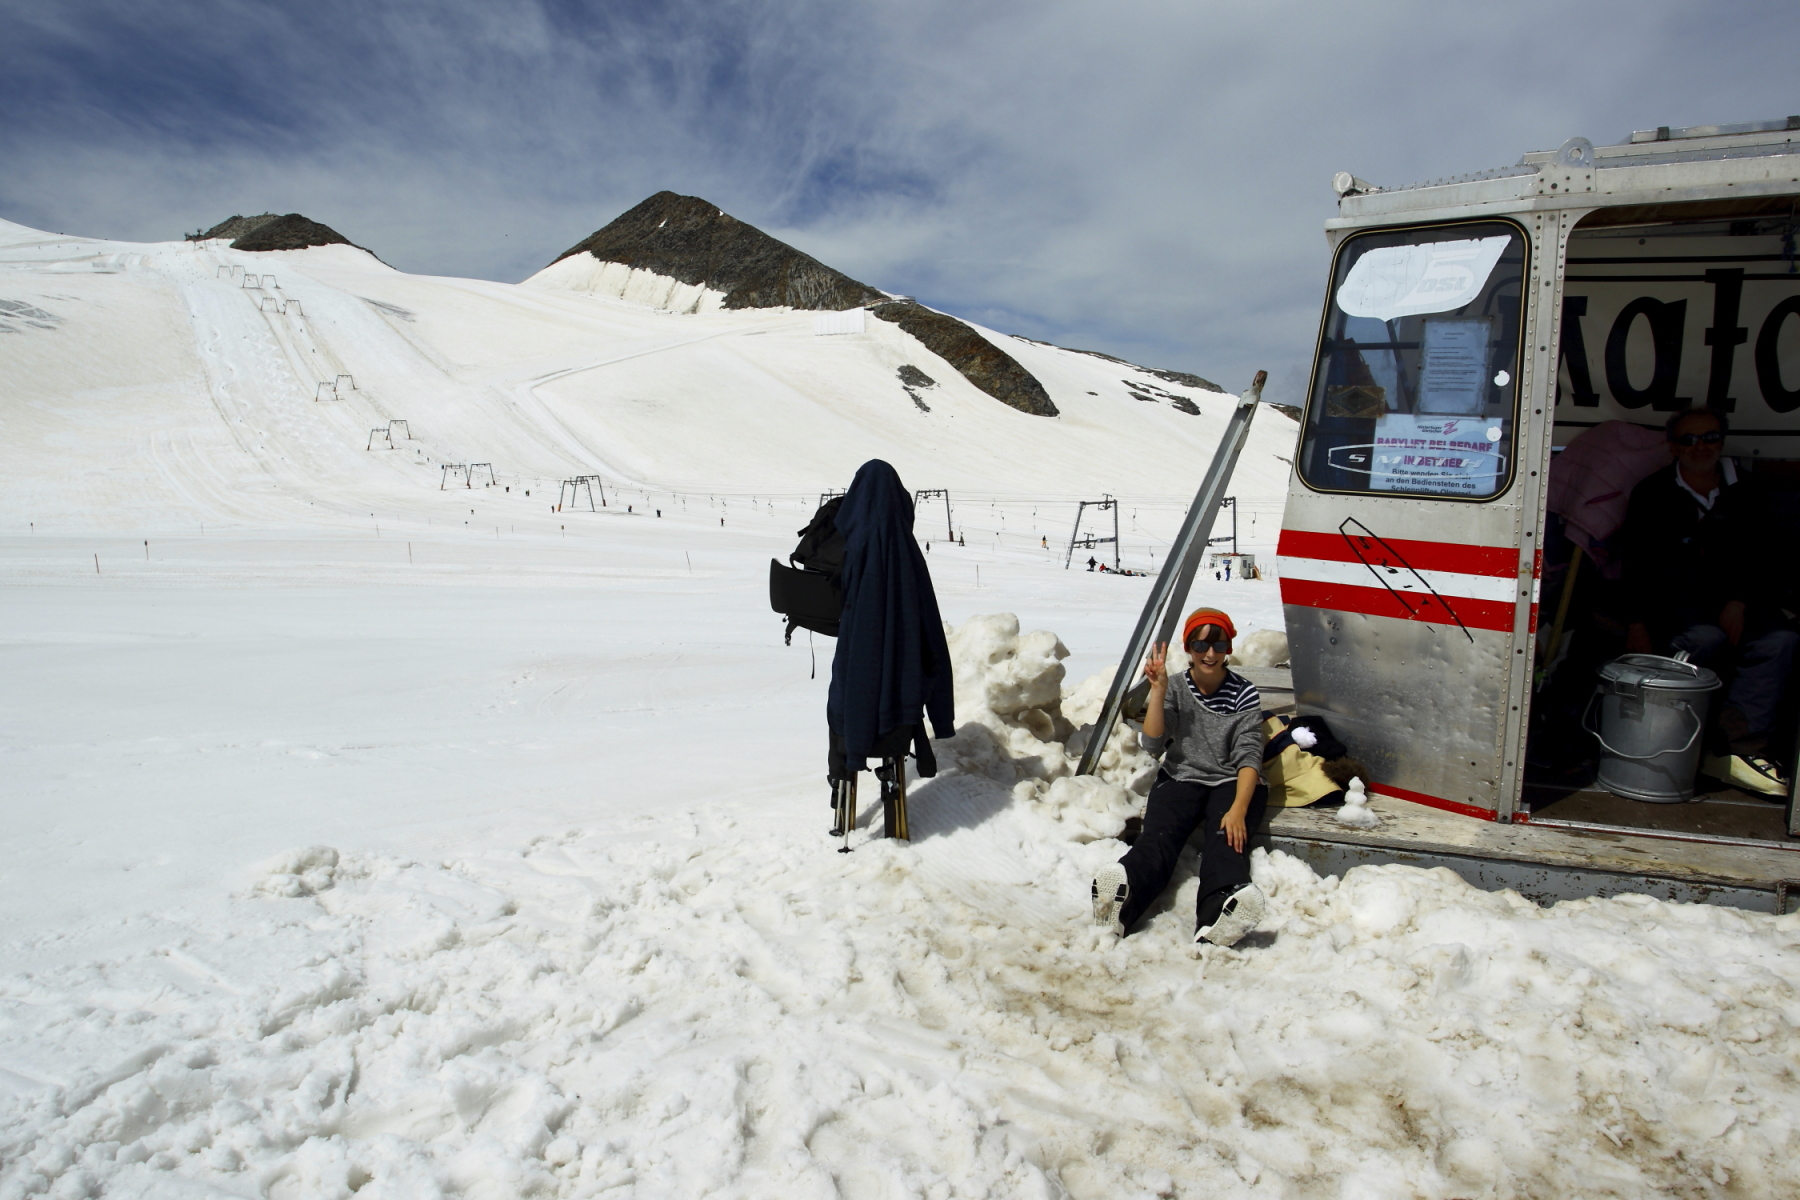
1207 726
1689 552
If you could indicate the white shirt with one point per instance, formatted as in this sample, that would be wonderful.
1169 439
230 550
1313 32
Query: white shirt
1727 472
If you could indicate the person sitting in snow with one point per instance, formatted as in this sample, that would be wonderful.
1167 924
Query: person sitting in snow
1208 729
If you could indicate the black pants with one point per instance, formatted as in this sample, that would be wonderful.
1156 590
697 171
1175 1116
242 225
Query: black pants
1171 814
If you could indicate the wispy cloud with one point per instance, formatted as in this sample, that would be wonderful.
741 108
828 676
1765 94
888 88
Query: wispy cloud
1145 178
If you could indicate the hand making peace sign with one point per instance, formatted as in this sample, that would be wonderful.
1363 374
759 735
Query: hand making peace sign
1156 668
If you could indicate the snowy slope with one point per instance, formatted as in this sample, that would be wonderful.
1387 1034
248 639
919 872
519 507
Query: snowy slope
365 838
202 392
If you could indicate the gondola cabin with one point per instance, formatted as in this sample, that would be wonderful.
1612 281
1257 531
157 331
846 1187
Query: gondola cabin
1473 328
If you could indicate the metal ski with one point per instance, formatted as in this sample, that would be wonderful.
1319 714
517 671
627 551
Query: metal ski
892 774
843 811
1162 609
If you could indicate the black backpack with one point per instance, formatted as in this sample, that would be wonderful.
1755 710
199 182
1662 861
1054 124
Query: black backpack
810 593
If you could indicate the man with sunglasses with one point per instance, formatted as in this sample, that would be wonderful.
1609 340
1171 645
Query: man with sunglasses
1690 552
1207 726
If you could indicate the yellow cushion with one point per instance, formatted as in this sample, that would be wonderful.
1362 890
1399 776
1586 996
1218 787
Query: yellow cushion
1295 777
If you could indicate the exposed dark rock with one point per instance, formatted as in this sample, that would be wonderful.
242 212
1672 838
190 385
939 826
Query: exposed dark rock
1185 379
1287 410
1180 403
1182 377
980 361
913 379
267 231
692 240
233 227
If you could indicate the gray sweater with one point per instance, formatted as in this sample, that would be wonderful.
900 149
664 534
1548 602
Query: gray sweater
1207 740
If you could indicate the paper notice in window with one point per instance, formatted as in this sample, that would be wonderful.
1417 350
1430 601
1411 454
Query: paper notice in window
1453 366
1447 456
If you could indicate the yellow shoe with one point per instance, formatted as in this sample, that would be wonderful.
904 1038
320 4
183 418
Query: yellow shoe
1747 772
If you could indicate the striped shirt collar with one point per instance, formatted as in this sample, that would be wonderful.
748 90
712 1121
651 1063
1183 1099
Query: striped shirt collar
1235 694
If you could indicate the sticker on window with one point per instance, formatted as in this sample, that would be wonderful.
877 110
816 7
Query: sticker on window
1446 456
1425 277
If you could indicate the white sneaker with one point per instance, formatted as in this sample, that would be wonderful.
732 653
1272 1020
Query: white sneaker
1243 912
1111 890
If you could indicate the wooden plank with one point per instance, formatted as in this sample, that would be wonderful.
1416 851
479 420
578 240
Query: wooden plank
1414 829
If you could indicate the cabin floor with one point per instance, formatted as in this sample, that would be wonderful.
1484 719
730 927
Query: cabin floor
1715 811
1577 840
1544 863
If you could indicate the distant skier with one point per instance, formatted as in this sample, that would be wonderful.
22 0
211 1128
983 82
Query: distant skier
1092 562
1228 570
1207 727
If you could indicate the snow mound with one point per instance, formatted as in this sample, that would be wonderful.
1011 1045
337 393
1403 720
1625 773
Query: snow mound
298 872
1261 648
1016 730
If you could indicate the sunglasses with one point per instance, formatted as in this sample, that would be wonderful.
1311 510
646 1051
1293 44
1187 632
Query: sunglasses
1222 645
1710 438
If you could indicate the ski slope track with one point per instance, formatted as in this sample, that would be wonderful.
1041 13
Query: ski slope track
372 834
545 380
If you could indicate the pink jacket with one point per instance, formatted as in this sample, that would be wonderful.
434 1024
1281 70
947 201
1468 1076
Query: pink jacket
1591 480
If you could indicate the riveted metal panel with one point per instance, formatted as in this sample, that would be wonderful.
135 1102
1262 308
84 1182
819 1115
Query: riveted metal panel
1421 705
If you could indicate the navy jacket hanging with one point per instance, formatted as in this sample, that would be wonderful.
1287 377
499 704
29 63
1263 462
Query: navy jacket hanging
892 665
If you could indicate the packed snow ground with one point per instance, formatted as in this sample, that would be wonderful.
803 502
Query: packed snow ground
363 843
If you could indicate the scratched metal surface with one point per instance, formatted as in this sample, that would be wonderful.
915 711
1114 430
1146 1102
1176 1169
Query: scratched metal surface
1422 702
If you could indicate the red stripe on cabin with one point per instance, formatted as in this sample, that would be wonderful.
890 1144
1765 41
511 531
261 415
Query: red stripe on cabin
1380 602
1499 561
1467 810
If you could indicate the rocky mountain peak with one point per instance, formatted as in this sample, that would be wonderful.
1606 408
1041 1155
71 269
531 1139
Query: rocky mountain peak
693 240
267 231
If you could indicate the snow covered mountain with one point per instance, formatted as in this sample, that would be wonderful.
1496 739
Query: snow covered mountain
183 382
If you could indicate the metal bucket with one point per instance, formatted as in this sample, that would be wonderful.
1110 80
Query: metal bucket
1652 712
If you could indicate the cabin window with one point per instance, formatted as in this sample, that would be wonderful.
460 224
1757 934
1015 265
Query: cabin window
1416 382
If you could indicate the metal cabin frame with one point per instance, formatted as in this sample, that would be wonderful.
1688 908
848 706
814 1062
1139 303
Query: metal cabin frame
1412 619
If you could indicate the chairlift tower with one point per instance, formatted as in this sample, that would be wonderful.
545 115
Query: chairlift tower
571 490
1231 503
1092 541
928 493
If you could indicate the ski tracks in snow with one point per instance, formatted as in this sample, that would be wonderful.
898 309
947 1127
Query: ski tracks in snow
696 1007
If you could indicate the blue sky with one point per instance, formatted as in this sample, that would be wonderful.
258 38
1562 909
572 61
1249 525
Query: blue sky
1147 179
